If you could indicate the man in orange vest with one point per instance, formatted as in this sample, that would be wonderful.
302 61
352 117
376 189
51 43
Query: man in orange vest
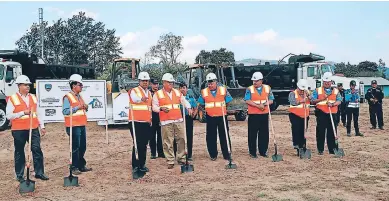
298 113
140 102
258 120
213 98
167 102
19 107
327 100
79 121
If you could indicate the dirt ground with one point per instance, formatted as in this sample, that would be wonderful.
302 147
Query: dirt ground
363 174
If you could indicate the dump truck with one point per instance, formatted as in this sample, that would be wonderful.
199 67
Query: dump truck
195 79
283 77
14 63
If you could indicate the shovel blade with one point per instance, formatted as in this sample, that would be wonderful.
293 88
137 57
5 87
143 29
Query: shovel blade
187 168
138 174
277 157
338 152
70 181
27 186
231 165
305 154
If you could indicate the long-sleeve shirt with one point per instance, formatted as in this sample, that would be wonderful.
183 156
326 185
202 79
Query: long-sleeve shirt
156 108
138 99
374 93
66 105
227 99
9 110
191 101
352 99
247 95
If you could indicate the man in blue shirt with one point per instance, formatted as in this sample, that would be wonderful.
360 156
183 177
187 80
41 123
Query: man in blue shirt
188 120
258 120
322 113
214 116
352 109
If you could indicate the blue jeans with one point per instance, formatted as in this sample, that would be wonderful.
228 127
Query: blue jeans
78 146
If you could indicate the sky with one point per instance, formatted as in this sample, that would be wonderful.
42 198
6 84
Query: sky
340 31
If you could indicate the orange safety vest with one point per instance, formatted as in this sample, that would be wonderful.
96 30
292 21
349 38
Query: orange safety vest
23 123
299 109
258 99
323 104
214 104
141 110
173 105
79 118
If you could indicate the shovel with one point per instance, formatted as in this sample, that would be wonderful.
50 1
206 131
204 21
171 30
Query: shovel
230 165
70 180
136 173
186 167
28 185
276 157
338 151
304 152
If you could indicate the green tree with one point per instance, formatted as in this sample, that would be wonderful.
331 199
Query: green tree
168 49
221 56
77 40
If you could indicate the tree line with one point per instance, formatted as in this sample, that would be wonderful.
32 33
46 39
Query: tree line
81 40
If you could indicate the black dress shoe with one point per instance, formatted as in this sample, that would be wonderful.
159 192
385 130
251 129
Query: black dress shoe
144 169
214 159
20 179
161 156
320 152
253 156
42 177
264 155
381 128
153 157
85 169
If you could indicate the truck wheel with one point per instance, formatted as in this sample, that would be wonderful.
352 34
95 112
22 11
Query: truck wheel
3 120
201 115
241 116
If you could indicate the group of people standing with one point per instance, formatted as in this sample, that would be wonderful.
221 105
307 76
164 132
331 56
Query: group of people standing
156 117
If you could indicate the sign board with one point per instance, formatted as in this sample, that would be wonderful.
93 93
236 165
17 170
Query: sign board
120 102
50 93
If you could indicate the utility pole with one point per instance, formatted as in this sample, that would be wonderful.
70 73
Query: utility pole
42 28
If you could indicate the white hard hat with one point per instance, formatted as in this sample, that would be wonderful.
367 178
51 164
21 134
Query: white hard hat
211 76
168 77
327 77
75 78
257 76
302 84
22 80
143 76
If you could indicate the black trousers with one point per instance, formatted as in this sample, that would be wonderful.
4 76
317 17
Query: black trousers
375 111
324 127
341 114
20 139
142 130
156 144
352 114
78 146
215 125
189 136
297 125
258 133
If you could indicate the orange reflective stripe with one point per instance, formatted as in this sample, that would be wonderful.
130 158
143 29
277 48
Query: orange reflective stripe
258 99
23 123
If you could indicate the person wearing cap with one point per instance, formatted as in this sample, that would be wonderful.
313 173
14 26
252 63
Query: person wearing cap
297 113
188 119
327 100
341 114
140 103
167 102
19 107
155 141
79 122
258 97
213 98
374 96
352 108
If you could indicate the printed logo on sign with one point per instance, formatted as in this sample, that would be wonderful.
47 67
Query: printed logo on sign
50 112
48 87
95 103
123 114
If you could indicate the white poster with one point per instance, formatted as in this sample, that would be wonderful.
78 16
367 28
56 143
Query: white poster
120 102
50 93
